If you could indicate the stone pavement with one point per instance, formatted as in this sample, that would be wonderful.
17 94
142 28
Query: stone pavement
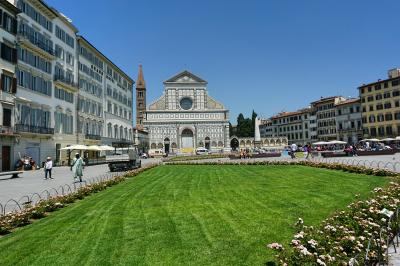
32 181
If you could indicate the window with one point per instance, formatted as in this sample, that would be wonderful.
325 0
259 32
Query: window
70 59
370 98
34 83
371 108
377 87
8 84
381 131
389 130
378 96
8 53
380 118
396 93
379 106
59 52
35 15
8 22
388 105
397 116
385 85
371 119
388 117
34 60
386 95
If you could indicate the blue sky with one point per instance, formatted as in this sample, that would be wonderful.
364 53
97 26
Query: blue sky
269 56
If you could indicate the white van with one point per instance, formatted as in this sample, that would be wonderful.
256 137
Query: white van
201 151
153 153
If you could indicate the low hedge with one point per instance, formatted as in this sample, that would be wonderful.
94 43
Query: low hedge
12 220
333 166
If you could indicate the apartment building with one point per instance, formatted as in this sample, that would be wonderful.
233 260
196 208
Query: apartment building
8 82
348 120
105 98
56 86
266 128
380 104
119 105
293 125
34 114
325 113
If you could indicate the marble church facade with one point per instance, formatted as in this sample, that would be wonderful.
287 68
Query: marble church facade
185 117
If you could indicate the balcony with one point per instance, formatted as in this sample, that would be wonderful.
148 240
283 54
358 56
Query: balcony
32 42
5 130
65 82
33 129
6 97
92 136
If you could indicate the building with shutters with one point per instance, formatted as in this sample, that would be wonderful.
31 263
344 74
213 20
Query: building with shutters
380 106
186 117
8 83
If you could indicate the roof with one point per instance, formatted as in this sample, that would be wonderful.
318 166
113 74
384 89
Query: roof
175 79
140 82
46 9
66 20
10 7
325 99
286 114
349 101
377 82
80 37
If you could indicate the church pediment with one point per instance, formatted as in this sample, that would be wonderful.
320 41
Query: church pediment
158 104
185 77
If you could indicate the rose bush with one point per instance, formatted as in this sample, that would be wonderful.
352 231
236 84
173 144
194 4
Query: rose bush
344 238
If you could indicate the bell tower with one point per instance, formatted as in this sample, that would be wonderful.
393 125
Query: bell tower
140 99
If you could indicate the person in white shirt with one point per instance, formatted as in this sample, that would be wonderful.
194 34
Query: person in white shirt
294 149
48 165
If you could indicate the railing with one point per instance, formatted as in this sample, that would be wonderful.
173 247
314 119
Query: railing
33 129
65 80
6 130
44 46
92 136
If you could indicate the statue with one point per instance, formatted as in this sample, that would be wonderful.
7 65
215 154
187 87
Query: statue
257 137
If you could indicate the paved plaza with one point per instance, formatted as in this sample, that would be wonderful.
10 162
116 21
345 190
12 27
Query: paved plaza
32 181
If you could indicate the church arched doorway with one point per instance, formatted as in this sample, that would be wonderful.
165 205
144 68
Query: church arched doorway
166 145
234 144
187 138
207 143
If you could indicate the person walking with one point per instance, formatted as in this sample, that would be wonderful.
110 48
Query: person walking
77 167
293 147
48 165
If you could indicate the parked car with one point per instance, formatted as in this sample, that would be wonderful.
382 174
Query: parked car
144 156
202 151
156 153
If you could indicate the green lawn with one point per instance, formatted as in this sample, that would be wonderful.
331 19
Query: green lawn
186 215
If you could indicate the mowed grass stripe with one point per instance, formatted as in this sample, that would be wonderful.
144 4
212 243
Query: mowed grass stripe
184 215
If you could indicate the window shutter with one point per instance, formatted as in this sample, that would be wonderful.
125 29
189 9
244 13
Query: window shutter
14 85
14 26
1 16
14 55
1 82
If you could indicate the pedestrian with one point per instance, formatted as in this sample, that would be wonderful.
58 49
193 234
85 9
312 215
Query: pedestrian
308 147
294 149
48 165
77 167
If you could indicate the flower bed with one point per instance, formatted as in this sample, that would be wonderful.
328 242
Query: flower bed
195 157
13 220
333 166
346 236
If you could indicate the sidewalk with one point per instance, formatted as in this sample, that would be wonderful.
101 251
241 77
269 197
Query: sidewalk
32 181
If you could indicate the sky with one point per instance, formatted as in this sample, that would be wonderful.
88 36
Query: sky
270 56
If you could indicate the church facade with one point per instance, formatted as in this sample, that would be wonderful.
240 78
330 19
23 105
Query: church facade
185 117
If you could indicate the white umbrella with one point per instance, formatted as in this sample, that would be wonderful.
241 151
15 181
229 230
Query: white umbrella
388 139
321 143
94 148
76 147
106 148
372 140
398 138
337 142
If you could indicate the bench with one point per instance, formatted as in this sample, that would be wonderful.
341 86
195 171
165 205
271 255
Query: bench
13 174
